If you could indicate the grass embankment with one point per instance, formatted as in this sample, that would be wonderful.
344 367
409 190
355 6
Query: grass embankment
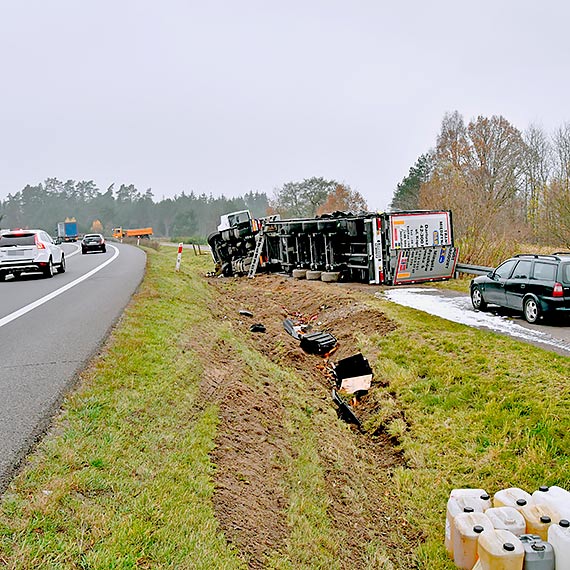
125 480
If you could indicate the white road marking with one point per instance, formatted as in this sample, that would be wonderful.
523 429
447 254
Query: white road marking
20 312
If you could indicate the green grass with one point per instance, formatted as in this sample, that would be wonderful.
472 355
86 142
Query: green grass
125 479
481 410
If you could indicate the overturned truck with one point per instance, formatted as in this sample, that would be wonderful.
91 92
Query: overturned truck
377 248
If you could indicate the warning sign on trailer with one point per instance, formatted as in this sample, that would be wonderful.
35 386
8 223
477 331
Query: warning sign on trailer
425 264
427 229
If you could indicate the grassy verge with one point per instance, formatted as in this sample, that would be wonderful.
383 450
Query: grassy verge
125 478
480 410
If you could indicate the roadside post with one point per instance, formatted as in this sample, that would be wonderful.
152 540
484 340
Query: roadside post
179 257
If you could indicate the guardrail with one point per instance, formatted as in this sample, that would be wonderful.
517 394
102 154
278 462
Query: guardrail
472 269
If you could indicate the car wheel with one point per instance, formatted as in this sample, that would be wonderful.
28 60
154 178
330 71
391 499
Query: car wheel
83 251
48 271
61 268
2 277
17 274
531 310
477 300
103 249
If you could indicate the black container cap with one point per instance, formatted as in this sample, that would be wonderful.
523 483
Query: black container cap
545 519
508 547
544 488
564 523
478 529
484 497
468 509
521 503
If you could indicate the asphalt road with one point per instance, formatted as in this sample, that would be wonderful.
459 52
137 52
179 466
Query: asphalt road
49 330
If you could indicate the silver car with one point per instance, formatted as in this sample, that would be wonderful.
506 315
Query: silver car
22 251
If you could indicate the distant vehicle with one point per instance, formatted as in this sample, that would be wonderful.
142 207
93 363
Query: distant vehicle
67 231
22 251
537 285
93 242
120 233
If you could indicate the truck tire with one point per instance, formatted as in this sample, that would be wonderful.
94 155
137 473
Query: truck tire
314 275
299 273
330 276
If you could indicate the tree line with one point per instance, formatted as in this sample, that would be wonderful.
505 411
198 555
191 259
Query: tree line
506 188
53 201
185 215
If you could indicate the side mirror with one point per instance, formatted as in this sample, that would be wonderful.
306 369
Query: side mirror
491 275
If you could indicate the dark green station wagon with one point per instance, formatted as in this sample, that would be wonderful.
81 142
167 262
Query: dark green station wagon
537 285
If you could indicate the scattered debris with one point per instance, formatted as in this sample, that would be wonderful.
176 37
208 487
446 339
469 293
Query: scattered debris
353 374
292 328
318 342
344 410
257 327
246 313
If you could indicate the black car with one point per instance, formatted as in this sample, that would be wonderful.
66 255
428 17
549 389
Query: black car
537 285
93 242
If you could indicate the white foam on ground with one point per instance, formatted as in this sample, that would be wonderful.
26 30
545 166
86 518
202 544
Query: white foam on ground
459 310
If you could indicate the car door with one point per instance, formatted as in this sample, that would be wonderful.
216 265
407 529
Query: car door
495 287
516 286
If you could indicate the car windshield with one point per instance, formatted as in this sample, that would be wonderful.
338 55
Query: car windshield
12 240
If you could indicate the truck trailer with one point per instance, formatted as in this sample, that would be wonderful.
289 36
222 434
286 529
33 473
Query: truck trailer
390 248
67 231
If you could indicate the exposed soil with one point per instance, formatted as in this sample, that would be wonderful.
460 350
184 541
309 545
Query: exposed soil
252 443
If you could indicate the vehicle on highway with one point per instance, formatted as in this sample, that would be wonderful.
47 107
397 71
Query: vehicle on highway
93 242
23 251
537 285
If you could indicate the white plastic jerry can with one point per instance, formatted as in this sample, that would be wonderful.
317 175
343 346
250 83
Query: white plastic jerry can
556 498
499 550
507 518
559 538
456 505
538 518
512 497
468 527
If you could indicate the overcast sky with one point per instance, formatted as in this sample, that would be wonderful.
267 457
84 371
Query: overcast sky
226 97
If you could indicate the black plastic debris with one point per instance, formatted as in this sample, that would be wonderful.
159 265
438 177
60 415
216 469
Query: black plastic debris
345 412
318 342
353 374
246 313
257 327
292 328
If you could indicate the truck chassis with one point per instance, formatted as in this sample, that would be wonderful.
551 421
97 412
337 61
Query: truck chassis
387 248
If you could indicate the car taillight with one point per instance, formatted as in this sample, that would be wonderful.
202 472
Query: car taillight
558 290
39 244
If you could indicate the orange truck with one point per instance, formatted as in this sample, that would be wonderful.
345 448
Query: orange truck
120 233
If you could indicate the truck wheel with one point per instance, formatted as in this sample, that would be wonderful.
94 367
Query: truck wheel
61 267
299 273
314 275
330 276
